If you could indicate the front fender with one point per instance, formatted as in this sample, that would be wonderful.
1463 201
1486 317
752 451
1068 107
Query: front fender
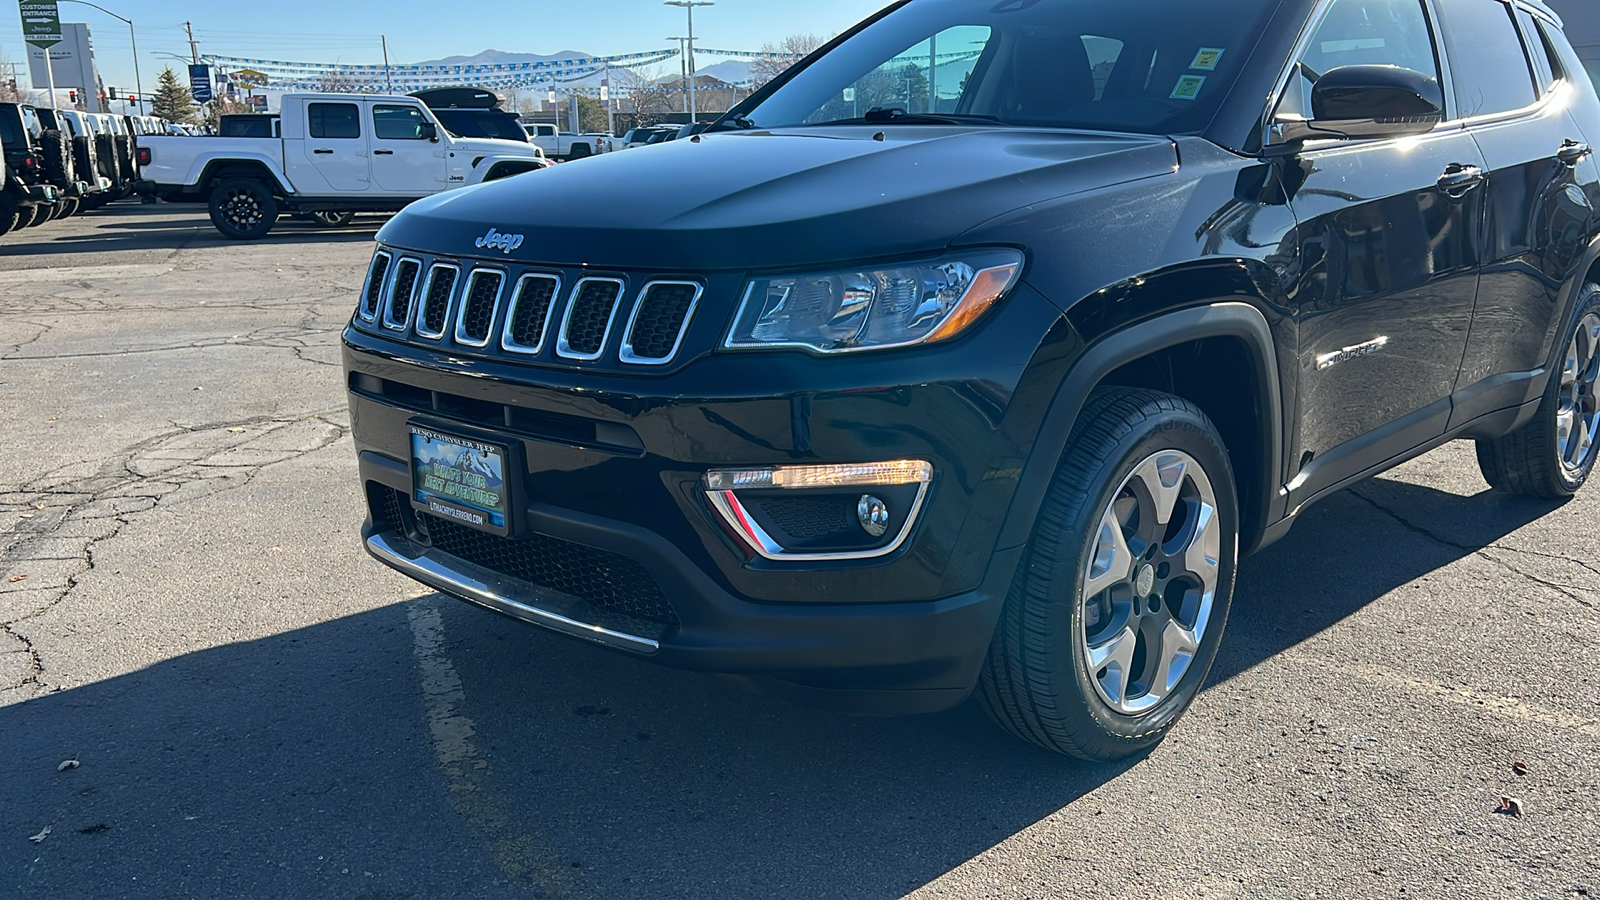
1222 319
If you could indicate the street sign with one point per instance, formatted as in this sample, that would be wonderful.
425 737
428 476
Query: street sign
249 78
200 83
41 22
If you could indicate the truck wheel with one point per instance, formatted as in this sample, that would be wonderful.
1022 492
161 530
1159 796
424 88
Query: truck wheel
40 214
332 218
69 208
243 209
1115 617
1552 456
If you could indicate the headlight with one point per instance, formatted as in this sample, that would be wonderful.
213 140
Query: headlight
874 308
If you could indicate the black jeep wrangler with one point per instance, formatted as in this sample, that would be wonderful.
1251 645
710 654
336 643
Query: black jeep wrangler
29 197
972 352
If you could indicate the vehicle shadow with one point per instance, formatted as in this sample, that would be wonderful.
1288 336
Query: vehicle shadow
131 226
492 759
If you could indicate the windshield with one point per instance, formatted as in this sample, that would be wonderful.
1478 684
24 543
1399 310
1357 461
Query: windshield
1147 66
481 123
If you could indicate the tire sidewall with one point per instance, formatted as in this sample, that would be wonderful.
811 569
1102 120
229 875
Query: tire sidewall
1588 302
1183 431
263 196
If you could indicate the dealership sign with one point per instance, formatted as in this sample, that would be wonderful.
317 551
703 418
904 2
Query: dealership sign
41 23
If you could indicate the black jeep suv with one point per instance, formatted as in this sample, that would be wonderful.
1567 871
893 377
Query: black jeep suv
28 197
972 352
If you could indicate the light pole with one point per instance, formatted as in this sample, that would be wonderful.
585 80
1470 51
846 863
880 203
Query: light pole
683 69
138 84
689 6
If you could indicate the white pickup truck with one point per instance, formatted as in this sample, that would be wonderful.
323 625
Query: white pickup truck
564 145
339 154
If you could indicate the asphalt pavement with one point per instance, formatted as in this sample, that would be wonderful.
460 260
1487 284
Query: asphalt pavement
256 709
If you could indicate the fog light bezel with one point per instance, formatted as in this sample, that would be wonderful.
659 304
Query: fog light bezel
722 487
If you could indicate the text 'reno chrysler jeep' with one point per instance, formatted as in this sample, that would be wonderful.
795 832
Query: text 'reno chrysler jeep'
971 353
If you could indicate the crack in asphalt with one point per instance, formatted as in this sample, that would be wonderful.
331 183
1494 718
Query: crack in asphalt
82 510
1483 552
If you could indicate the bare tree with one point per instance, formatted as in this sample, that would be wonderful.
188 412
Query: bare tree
764 69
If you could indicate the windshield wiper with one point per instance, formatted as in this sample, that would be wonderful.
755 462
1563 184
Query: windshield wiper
894 115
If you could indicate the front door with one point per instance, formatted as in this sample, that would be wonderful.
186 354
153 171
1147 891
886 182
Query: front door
1390 235
336 147
404 160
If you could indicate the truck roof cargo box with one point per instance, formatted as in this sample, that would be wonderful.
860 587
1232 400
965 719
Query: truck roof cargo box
458 98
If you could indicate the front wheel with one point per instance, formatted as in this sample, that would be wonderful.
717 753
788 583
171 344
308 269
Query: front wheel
243 209
1115 618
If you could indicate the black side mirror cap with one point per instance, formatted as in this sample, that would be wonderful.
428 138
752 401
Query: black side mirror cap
430 132
1366 102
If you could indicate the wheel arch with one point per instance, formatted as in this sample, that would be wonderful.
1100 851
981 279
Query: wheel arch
506 168
1177 352
218 169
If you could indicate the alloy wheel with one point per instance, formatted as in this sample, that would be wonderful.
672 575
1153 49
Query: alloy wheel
1150 583
1578 409
242 209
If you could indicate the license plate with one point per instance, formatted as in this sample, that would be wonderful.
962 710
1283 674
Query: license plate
460 480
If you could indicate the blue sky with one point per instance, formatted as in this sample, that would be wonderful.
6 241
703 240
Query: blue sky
330 30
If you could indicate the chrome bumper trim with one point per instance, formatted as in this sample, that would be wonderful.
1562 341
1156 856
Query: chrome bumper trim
485 588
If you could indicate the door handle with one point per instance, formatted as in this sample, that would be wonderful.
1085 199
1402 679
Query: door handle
1458 180
383 153
1573 152
322 151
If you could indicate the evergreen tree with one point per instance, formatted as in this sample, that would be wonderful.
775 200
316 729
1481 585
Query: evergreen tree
173 100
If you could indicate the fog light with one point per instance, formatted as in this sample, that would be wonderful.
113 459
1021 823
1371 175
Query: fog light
803 512
874 515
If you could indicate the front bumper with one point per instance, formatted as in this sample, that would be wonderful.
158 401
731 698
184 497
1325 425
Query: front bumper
34 194
617 463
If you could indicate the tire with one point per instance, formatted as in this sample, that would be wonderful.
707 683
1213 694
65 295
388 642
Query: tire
243 209
83 157
39 215
92 202
106 151
69 208
125 163
1553 456
56 150
332 218
1109 602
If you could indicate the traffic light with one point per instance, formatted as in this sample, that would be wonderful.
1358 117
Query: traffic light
72 96
132 99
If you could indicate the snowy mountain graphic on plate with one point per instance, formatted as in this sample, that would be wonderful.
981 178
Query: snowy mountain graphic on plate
442 455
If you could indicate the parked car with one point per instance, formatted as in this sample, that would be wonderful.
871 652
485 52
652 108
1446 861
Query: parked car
642 137
85 163
37 159
20 199
338 154
114 147
891 389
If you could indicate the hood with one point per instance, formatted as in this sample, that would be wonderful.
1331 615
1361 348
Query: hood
754 200
496 146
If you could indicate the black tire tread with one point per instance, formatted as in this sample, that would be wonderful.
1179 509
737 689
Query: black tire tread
1019 662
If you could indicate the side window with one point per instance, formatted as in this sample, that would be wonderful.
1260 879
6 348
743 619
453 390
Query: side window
1362 33
1491 70
334 121
398 123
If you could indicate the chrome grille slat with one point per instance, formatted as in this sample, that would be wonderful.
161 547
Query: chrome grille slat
660 319
397 307
377 280
591 312
479 304
434 313
528 321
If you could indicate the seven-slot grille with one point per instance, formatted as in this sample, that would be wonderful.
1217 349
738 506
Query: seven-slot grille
482 306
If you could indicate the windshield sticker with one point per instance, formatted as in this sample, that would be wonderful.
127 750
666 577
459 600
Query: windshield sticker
1208 57
1354 44
1188 87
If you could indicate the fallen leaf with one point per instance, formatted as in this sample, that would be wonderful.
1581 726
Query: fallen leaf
1521 768
68 764
27 515
39 506
1510 806
236 430
17 578
39 838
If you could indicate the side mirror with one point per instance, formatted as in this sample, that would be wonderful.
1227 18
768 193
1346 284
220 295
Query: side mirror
430 132
1368 102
